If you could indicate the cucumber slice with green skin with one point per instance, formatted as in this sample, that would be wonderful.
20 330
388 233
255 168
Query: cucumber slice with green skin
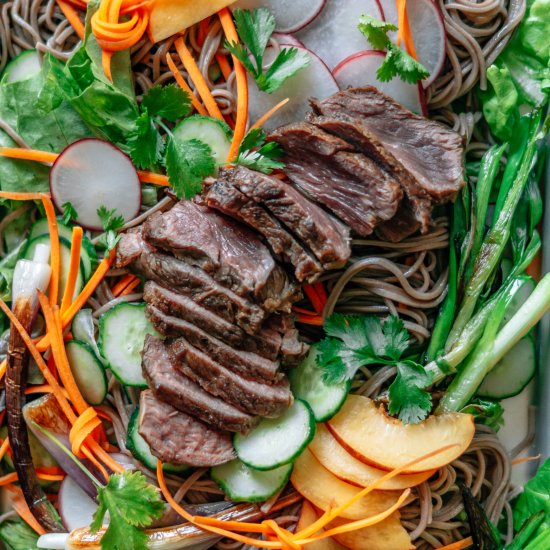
83 329
277 441
215 133
512 373
243 484
65 254
88 371
141 450
88 254
122 332
24 66
307 384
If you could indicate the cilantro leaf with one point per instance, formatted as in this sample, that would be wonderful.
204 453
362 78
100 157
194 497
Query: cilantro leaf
258 155
132 503
145 143
169 102
111 223
390 339
69 213
407 398
255 29
397 62
187 164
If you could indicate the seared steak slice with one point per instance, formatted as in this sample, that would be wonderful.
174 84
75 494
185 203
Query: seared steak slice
430 152
178 438
247 364
266 343
327 170
225 197
195 283
293 350
228 251
253 397
129 248
403 225
185 395
323 234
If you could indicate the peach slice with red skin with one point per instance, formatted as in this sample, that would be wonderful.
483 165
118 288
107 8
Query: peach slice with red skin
370 435
343 465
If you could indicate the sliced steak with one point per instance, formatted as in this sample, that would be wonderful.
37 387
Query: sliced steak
178 438
228 251
185 395
129 248
430 153
253 397
225 197
192 282
266 343
292 350
403 225
323 234
328 171
247 364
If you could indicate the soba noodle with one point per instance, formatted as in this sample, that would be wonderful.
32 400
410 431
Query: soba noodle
407 279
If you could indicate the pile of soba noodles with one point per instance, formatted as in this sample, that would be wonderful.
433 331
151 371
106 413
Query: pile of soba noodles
407 279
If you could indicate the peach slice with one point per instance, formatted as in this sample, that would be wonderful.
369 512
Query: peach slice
308 515
373 437
343 465
325 490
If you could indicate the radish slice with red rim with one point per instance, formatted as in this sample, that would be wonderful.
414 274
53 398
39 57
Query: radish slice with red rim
315 80
428 33
75 506
91 173
291 15
360 70
287 39
334 35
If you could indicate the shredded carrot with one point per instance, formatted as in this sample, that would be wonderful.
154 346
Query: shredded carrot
20 506
534 269
224 65
49 477
4 447
203 29
45 388
196 76
71 15
84 426
266 116
231 35
525 459
74 268
130 288
122 284
28 154
321 292
13 196
459 545
55 252
316 301
304 311
310 320
404 33
151 177
184 86
3 366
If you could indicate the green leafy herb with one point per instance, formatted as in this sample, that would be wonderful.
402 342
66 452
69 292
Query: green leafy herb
145 143
17 535
254 29
111 223
398 62
187 164
132 504
256 154
355 341
169 102
69 213
486 412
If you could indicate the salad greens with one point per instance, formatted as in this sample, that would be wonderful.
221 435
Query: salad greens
111 223
255 29
17 535
256 154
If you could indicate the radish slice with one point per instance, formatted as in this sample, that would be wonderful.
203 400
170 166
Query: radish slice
91 173
428 32
75 506
313 81
291 15
360 70
287 39
334 35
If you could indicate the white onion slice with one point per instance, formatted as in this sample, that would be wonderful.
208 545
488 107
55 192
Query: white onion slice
75 506
91 173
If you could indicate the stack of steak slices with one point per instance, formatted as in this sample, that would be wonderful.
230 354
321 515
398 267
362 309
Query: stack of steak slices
223 271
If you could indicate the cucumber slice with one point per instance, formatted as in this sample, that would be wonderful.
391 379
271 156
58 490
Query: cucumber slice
65 253
307 384
83 329
88 371
277 441
141 450
512 373
243 484
24 66
122 332
211 131
88 254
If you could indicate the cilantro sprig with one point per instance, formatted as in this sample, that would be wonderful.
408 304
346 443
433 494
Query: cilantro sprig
355 341
397 62
256 154
255 29
111 222
69 213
